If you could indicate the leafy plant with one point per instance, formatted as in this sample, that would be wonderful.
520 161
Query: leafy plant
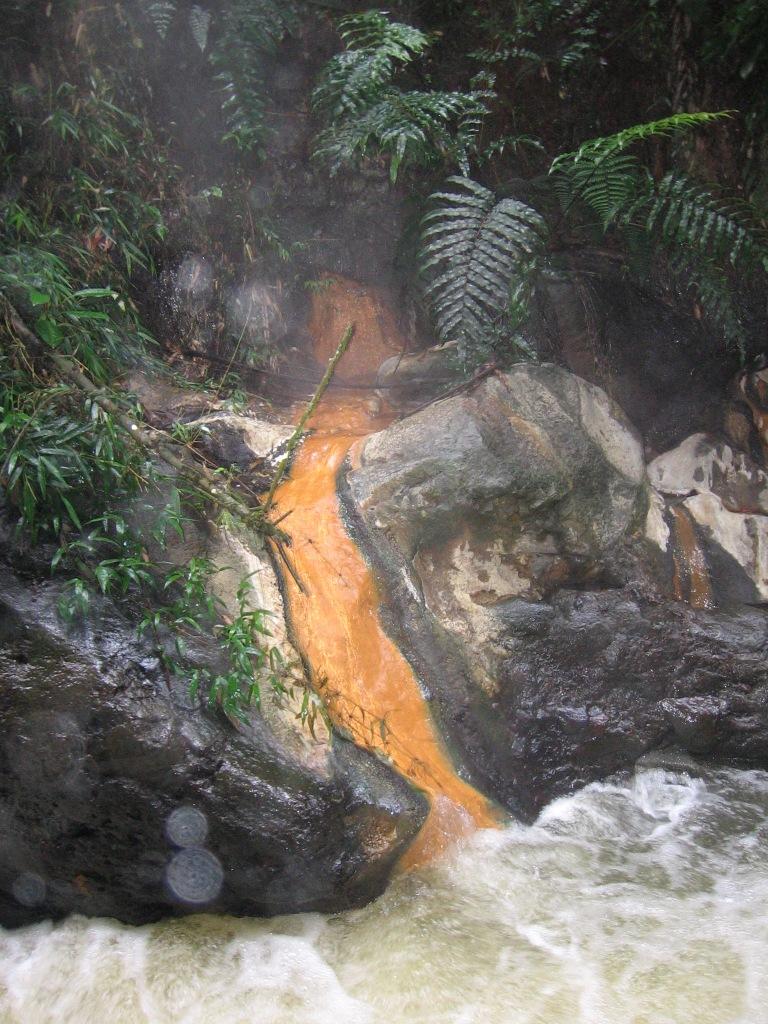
480 253
71 455
238 40
368 115
557 37
704 235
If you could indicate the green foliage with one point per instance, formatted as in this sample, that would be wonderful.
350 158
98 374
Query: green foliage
480 253
60 457
595 150
161 13
249 32
560 36
77 218
238 41
702 234
368 115
200 23
376 49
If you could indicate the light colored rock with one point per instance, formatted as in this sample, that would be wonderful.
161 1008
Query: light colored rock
229 432
240 559
656 527
742 537
701 465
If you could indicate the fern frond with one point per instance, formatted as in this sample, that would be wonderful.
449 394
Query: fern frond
375 49
702 278
685 213
415 127
594 149
372 30
608 184
161 13
200 23
478 253
368 114
250 30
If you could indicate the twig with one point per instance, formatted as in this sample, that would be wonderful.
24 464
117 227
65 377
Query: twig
296 436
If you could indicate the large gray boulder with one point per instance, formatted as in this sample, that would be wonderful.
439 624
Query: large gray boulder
506 525
522 484
121 797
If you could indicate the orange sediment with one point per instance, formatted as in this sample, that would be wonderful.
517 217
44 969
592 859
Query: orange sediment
369 688
690 564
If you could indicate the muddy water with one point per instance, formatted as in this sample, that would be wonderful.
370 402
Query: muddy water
639 901
691 578
368 686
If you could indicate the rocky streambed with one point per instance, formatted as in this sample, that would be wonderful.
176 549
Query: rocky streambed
560 595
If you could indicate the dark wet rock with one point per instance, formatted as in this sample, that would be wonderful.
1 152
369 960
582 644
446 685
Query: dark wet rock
408 381
606 678
504 527
658 365
230 439
99 750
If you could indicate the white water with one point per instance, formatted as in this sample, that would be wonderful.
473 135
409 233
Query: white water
639 902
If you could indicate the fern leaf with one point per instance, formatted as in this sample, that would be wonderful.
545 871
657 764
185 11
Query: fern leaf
666 126
479 253
418 127
250 29
200 23
687 214
607 183
372 30
161 14
704 280
375 49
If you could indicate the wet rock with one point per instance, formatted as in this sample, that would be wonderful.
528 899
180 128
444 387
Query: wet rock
725 501
657 365
703 464
504 526
607 678
511 489
99 750
410 380
230 439
735 546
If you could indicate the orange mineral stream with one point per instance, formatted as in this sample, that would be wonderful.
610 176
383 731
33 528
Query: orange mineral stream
368 686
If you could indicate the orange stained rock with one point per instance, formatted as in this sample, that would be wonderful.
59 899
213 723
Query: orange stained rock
377 335
368 686
690 564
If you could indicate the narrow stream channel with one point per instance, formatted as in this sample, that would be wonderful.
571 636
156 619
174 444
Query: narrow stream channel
637 901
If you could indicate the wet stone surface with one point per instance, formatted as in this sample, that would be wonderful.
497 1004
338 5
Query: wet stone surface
120 798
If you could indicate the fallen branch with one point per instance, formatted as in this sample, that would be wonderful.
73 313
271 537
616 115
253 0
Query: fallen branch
313 404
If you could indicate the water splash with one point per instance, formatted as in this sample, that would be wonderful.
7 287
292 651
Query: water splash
640 901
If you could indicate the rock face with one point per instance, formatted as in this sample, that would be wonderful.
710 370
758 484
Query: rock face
121 798
723 494
664 374
505 525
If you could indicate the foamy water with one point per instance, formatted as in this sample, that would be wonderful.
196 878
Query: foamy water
636 902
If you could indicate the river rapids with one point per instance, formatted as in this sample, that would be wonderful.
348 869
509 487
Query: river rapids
636 901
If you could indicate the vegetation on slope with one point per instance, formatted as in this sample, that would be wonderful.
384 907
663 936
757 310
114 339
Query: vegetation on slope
520 129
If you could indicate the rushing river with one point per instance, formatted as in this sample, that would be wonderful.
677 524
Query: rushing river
633 902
